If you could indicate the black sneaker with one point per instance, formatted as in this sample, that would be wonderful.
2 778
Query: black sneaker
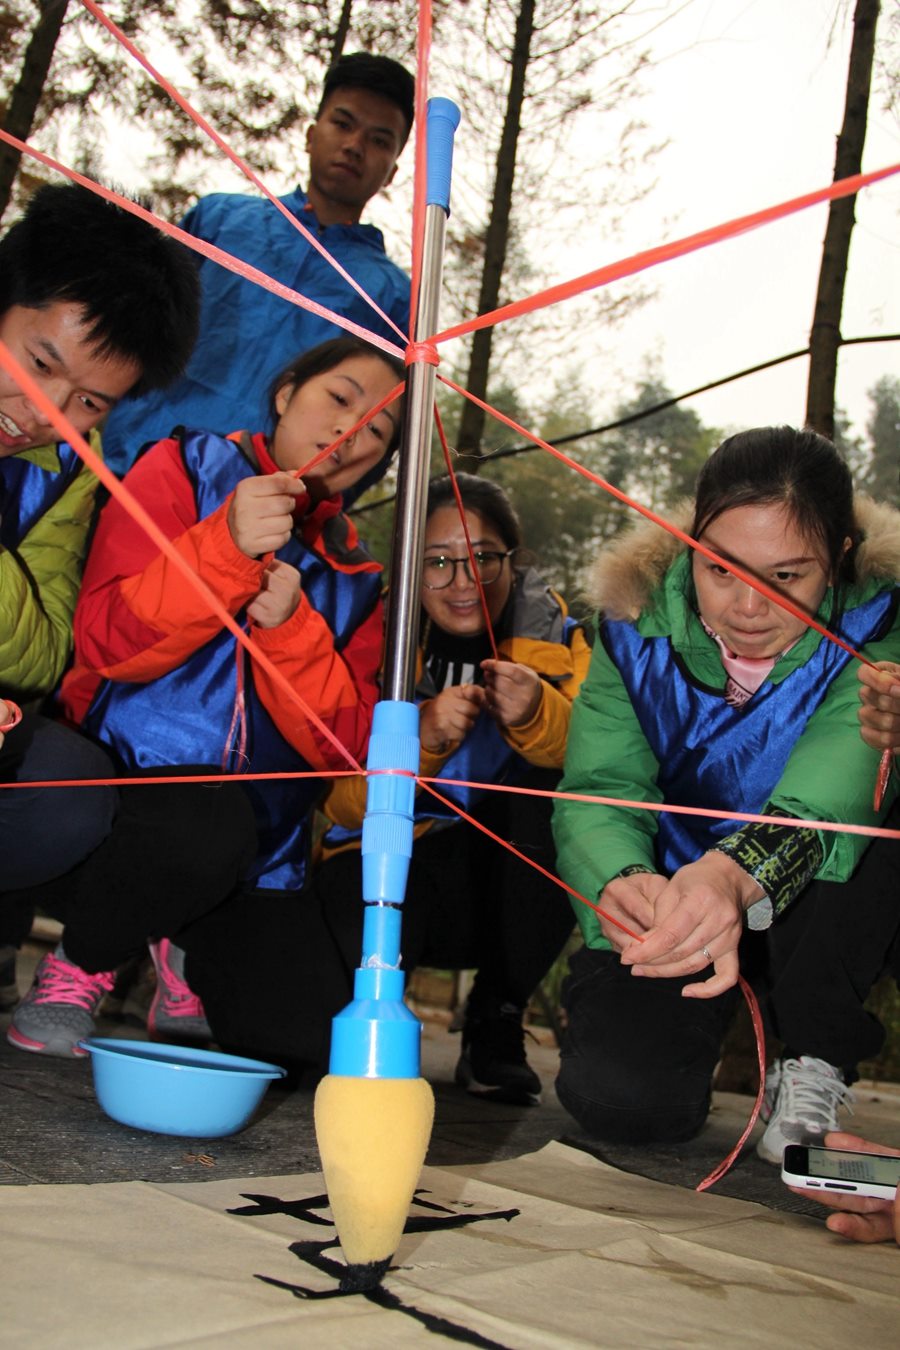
493 1064
9 990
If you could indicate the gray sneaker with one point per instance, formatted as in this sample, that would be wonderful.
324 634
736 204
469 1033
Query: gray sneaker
176 1012
810 1093
58 1010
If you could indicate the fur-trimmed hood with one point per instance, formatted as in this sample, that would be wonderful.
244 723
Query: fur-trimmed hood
629 569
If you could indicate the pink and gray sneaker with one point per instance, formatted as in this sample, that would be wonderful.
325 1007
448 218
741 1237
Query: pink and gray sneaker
176 1012
58 1010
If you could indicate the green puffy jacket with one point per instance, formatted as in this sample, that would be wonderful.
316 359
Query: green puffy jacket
39 584
645 577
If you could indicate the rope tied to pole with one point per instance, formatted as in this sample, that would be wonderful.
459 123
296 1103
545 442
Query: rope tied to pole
422 351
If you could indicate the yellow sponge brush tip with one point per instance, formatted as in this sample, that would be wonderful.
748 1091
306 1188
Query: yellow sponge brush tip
373 1135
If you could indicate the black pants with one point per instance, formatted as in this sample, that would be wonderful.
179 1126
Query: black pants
174 852
274 969
173 865
469 902
270 977
44 832
638 1059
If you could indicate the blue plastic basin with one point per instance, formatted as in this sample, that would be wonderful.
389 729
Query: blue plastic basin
173 1089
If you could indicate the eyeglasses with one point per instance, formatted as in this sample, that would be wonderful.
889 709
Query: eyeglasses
439 572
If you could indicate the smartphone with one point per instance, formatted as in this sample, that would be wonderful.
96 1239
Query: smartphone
835 1169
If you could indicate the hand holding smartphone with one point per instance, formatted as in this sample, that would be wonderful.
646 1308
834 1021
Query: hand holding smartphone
835 1172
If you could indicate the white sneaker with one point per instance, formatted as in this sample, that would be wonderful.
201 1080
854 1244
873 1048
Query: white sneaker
809 1095
770 1096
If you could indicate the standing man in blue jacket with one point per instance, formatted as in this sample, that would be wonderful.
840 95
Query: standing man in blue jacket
247 334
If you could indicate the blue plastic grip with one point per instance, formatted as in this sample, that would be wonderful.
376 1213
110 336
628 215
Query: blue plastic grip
387 834
382 927
443 119
376 1036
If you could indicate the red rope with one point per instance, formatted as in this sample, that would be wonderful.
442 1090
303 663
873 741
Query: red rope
118 490
760 1034
422 351
664 524
460 506
145 781
636 263
238 714
426 783
793 822
346 435
639 262
217 255
831 826
199 120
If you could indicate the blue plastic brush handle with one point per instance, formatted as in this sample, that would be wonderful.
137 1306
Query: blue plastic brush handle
443 119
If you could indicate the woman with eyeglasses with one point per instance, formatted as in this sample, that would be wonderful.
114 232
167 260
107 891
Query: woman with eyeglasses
470 903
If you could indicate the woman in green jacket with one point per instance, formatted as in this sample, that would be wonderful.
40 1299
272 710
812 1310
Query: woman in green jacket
703 693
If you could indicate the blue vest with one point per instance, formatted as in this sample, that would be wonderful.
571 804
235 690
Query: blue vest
184 717
714 756
27 492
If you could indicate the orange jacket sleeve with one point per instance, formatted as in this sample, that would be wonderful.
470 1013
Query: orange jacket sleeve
340 687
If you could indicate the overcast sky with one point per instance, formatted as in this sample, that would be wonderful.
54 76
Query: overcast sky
750 94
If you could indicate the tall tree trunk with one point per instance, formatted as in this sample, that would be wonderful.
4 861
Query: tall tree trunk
472 424
340 36
27 93
825 336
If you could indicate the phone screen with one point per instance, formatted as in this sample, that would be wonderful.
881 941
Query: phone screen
832 1165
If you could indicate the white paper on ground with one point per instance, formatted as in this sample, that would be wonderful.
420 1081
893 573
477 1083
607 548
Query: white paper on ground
558 1250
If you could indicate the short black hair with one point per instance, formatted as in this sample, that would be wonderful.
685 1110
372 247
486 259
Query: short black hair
380 75
482 495
138 289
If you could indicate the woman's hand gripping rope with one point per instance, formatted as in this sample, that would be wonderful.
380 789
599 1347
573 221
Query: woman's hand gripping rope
686 923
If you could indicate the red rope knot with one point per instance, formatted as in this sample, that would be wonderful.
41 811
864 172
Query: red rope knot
422 351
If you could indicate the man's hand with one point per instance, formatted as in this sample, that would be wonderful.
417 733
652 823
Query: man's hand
278 596
450 716
260 516
860 1217
698 919
879 715
512 692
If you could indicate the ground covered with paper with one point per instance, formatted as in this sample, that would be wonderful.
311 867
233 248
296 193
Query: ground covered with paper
551 1249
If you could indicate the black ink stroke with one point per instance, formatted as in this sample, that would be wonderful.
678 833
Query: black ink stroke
312 1253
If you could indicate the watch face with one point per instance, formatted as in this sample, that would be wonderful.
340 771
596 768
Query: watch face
760 914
